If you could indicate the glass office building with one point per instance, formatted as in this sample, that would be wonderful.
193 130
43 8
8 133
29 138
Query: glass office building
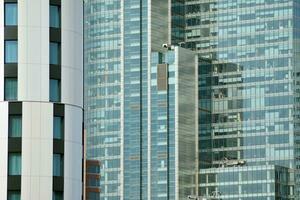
102 97
174 122
129 123
253 83
251 182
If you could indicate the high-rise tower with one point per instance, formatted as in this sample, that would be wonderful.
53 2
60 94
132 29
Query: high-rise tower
134 105
41 101
249 146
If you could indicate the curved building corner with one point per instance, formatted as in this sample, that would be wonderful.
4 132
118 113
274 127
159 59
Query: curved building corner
41 99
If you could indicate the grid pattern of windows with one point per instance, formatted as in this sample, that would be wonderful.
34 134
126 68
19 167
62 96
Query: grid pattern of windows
102 79
249 81
264 182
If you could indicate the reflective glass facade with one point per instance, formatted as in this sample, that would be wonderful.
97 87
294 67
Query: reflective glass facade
252 81
102 78
252 182
173 124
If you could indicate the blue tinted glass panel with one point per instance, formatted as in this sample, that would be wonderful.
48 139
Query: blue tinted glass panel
11 14
57 165
54 53
14 164
54 16
54 90
14 195
11 85
57 128
57 196
11 51
15 126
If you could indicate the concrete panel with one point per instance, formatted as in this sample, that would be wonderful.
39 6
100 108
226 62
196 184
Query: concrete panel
37 149
72 86
33 47
73 124
72 171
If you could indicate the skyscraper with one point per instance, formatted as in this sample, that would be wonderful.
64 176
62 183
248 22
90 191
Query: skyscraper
134 101
41 100
249 146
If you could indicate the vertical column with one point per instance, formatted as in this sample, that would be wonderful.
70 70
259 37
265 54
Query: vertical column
58 150
10 50
37 150
3 148
33 50
14 149
55 50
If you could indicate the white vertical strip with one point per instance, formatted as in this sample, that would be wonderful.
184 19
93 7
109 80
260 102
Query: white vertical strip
37 148
3 148
33 50
72 52
169 21
149 96
73 153
196 124
176 124
1 50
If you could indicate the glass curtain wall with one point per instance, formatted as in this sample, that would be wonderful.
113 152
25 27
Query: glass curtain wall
102 97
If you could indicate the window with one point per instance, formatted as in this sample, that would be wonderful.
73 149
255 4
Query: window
57 165
15 126
14 195
57 196
54 16
14 164
54 53
11 51
54 90
11 14
58 127
10 89
93 196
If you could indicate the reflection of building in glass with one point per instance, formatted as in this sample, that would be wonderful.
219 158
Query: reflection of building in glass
92 180
252 83
128 118
259 182
174 104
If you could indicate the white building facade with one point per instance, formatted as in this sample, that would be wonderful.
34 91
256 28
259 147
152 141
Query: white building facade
41 99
